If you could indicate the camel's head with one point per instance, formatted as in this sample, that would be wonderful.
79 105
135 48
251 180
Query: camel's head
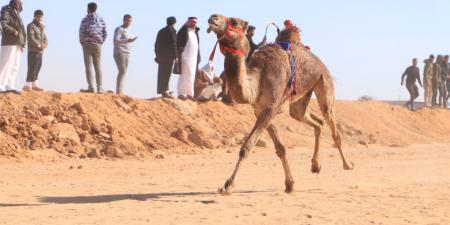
290 34
230 31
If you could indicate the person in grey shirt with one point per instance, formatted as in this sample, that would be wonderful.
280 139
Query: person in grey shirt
122 41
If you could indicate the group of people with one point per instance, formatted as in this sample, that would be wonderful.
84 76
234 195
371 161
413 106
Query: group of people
436 81
176 53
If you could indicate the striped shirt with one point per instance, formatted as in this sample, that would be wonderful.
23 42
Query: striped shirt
93 29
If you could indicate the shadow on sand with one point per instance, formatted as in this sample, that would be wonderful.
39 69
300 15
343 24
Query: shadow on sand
137 197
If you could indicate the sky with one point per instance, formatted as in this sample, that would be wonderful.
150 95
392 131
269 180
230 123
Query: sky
366 44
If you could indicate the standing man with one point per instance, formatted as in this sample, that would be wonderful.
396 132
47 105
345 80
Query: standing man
428 80
13 43
92 36
188 44
253 47
122 41
166 52
437 79
443 88
412 74
37 43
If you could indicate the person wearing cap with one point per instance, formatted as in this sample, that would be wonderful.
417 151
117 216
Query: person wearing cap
122 50
166 52
37 43
13 43
188 42
253 47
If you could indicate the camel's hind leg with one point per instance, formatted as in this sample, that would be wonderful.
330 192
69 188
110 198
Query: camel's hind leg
324 91
265 118
281 152
298 110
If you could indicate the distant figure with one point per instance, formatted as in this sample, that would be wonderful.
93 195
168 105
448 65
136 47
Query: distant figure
37 43
188 45
436 79
428 80
412 74
207 85
122 50
443 87
253 47
166 53
92 36
13 43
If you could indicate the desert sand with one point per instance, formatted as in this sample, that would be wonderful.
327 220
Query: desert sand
388 186
106 159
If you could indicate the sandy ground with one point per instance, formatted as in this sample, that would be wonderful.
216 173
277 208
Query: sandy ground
409 185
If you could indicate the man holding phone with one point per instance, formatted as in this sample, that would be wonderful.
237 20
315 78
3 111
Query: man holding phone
122 41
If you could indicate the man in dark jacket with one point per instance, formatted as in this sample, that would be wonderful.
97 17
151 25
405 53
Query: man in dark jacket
253 47
13 43
188 43
412 75
37 43
166 53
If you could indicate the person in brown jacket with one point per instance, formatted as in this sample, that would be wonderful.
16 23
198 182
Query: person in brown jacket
37 43
428 80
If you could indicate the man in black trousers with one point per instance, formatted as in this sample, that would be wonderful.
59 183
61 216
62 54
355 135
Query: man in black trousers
166 53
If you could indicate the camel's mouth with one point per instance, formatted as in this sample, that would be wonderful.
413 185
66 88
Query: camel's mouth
212 26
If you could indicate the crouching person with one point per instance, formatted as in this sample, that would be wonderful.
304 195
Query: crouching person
207 85
37 43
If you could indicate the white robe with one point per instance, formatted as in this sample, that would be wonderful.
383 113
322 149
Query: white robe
9 66
188 65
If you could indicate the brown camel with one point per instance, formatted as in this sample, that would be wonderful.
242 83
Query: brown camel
262 82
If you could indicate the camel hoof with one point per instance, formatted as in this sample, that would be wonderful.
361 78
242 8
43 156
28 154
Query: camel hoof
223 191
316 168
348 167
289 187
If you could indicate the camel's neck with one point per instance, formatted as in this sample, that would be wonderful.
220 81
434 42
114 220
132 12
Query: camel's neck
241 83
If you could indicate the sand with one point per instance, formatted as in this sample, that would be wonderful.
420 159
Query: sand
407 185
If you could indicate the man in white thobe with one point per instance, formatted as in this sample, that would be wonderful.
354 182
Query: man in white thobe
13 43
188 45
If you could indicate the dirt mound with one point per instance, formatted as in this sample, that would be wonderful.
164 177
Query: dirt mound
107 125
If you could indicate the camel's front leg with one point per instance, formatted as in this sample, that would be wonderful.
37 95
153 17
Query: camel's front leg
264 119
281 152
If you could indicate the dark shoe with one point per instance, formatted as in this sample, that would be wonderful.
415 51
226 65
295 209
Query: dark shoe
182 97
90 90
168 95
14 92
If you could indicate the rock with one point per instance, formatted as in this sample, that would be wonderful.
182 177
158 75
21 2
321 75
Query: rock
45 111
291 129
80 167
49 119
181 135
362 142
94 153
114 152
261 143
66 132
159 156
104 135
79 108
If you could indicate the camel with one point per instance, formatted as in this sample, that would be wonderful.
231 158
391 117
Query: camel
262 83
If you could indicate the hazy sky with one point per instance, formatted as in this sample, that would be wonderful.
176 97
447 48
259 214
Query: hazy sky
366 44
